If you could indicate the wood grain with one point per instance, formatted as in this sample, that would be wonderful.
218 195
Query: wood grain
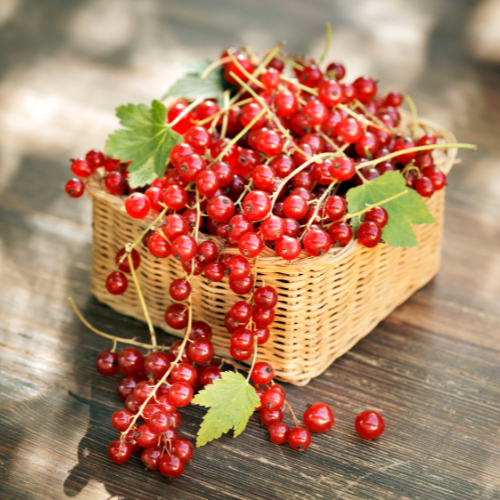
432 368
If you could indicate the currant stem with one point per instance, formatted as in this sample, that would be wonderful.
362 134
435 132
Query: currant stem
254 360
184 112
225 110
107 335
271 115
270 55
372 116
413 109
215 64
141 299
317 209
369 207
361 118
245 72
235 139
225 116
297 423
415 150
327 44
290 62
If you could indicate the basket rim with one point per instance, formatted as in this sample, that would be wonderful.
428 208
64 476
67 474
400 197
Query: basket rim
269 256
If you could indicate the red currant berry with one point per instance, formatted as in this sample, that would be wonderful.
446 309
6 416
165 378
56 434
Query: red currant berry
365 88
238 268
175 197
427 140
145 436
265 297
201 350
425 187
150 457
319 418
190 166
224 173
272 399
200 329
242 339
273 227
270 78
400 145
239 355
288 248
178 152
292 227
155 195
369 424
367 145
295 207
131 361
250 245
214 271
342 169
241 311
158 246
115 182
142 391
299 439
262 335
137 205
340 233
95 158
132 405
349 130
156 364
278 433
369 234
198 138
378 215
81 168
239 225
175 225
270 417
236 68
180 394
285 103
436 176
317 242
249 113
171 465
126 385
180 289
263 317
176 316
119 452
207 183
116 283
220 208
184 247
349 93
106 363
330 93
174 111
315 112
394 99
175 350
75 188
241 287
209 374
184 372
270 142
310 76
208 251
257 205
262 373
182 448
125 266
335 70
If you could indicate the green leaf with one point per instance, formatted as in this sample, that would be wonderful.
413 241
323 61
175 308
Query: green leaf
146 141
403 211
191 86
232 401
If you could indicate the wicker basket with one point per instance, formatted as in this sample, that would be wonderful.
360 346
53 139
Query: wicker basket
326 304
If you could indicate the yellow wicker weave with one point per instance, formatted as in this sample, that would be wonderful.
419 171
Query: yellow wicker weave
326 304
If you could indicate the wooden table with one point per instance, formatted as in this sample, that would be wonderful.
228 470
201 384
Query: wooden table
432 368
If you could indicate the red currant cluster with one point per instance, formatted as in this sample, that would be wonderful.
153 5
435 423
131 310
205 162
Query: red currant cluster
270 169
152 388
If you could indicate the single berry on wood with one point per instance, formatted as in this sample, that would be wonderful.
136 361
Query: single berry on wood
369 424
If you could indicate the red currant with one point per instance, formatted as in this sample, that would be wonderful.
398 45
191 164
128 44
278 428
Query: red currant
425 187
241 287
340 233
116 283
208 375
262 373
125 266
369 424
171 465
201 350
378 215
182 448
131 361
176 316
343 168
184 247
349 130
336 70
158 246
278 433
270 417
238 268
75 188
436 176
250 245
299 439
369 234
317 242
137 205
319 418
184 372
180 394
175 197
81 168
119 452
365 88
106 363
220 208
285 103
288 248
156 364
180 289
272 398
150 457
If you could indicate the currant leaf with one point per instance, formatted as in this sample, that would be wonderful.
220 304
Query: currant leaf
146 141
232 401
191 86
403 211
